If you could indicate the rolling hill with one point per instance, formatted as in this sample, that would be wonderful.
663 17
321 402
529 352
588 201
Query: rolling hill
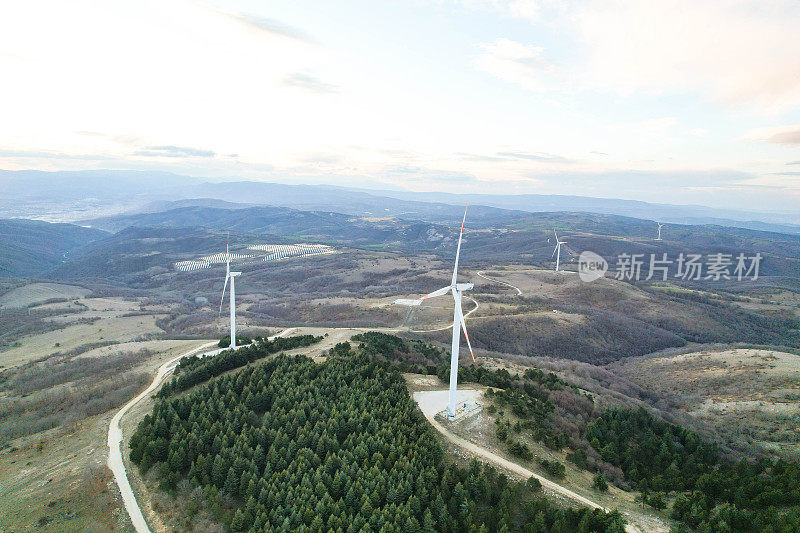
493 236
31 247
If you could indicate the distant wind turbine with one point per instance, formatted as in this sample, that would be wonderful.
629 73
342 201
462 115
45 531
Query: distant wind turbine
232 276
458 322
557 250
659 231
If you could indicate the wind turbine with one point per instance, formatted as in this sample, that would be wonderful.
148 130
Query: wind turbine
232 276
458 322
659 231
557 250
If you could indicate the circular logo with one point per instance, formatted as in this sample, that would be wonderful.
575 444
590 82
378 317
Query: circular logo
591 266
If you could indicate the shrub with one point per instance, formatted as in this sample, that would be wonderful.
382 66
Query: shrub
600 482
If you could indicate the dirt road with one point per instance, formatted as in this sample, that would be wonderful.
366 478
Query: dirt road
449 326
482 275
115 462
427 401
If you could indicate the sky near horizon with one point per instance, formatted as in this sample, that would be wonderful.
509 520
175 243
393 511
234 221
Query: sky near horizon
672 101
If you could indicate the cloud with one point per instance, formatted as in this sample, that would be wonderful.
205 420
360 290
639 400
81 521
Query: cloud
742 52
309 83
322 158
270 26
786 137
658 126
536 156
413 173
527 9
793 163
173 151
732 52
478 157
512 155
517 63
777 134
120 138
43 154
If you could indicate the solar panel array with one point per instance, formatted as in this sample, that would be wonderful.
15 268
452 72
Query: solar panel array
273 252
282 251
188 266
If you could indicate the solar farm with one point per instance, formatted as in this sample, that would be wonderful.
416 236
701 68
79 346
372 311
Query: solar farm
255 254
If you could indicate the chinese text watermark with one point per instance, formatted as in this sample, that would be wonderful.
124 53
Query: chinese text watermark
687 267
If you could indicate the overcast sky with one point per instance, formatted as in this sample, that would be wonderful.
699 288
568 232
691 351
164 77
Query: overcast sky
678 102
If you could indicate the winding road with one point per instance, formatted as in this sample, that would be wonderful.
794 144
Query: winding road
450 325
115 462
481 274
430 408
430 404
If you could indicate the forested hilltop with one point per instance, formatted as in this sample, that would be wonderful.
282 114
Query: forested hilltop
289 444
673 469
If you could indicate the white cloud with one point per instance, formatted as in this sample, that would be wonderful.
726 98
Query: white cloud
268 25
658 126
787 135
309 83
528 9
735 52
517 63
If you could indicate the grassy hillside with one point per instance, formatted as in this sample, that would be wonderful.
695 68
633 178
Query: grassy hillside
561 316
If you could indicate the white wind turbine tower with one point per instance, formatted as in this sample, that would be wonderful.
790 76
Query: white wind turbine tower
659 231
557 250
458 322
230 275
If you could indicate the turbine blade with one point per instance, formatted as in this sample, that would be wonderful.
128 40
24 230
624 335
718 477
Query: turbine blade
556 234
222 299
406 301
458 250
464 329
436 293
555 250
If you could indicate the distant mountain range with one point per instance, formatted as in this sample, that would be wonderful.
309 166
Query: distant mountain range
72 196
